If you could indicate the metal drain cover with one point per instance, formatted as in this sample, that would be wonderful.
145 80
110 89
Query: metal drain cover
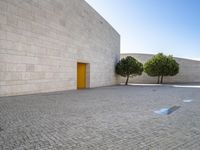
167 111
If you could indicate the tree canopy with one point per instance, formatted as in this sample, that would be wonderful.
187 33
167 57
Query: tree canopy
161 65
129 67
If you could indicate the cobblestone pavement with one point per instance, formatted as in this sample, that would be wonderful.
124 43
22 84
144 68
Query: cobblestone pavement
107 118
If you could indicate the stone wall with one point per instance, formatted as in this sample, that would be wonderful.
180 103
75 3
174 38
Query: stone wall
41 42
189 71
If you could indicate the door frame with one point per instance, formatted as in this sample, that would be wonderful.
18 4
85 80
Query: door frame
87 76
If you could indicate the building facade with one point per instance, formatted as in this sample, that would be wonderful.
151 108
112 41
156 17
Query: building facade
54 45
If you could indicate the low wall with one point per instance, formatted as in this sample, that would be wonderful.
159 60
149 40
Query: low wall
189 71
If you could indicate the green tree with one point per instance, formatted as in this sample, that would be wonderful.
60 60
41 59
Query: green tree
129 67
161 65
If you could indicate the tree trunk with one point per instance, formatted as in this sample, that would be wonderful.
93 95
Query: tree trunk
158 81
127 80
162 79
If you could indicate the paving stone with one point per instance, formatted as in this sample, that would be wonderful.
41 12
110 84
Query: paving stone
114 118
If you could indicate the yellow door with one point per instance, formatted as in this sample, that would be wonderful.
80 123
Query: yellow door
81 76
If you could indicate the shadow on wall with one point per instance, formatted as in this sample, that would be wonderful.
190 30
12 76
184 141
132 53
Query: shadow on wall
189 71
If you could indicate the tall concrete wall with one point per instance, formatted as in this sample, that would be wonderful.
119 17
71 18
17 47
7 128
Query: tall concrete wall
41 42
189 71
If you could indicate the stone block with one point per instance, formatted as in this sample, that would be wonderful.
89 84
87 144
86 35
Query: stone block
30 67
3 7
3 35
3 18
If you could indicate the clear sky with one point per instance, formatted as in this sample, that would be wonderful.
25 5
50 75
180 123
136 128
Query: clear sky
152 26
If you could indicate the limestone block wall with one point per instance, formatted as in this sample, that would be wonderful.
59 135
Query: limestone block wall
41 42
189 71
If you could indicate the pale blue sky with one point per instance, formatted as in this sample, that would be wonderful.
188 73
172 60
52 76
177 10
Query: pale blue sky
152 26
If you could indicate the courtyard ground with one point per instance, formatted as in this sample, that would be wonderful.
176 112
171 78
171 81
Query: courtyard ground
107 118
